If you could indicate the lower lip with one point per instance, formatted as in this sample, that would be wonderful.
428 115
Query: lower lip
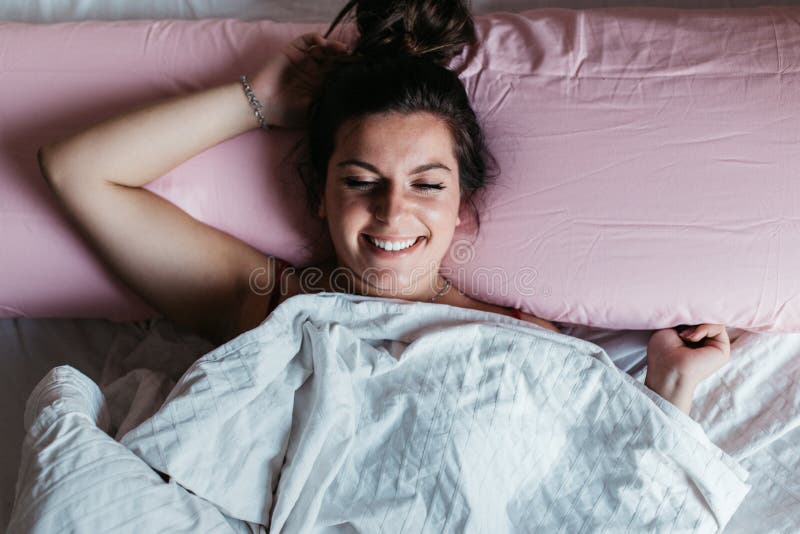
381 253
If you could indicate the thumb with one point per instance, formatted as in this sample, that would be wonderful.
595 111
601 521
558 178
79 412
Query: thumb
337 46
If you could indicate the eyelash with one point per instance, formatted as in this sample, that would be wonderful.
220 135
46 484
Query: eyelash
362 185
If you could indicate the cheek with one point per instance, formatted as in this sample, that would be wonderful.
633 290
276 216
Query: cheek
444 213
353 208
345 215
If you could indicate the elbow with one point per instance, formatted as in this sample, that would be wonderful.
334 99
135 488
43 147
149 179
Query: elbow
43 157
49 167
60 169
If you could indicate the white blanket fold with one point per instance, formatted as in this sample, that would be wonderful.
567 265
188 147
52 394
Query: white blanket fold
381 415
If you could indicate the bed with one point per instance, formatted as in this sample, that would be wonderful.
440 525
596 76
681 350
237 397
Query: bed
751 409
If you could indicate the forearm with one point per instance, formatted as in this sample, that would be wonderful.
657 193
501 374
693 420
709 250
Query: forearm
546 324
139 146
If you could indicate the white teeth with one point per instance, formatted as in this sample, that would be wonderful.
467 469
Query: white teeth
390 245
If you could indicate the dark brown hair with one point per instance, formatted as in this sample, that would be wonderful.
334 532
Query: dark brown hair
398 65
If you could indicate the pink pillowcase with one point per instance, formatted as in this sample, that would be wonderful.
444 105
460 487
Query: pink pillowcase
648 161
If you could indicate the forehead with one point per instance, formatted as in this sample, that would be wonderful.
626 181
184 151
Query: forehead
395 138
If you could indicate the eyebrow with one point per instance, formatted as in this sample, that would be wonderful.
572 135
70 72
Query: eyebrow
373 168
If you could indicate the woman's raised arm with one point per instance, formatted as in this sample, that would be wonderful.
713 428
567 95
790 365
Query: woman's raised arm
137 147
194 274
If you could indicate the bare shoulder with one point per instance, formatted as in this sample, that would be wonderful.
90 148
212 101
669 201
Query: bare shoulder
265 291
460 299
259 292
544 323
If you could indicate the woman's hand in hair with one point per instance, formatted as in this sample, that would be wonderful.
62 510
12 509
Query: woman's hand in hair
678 361
289 79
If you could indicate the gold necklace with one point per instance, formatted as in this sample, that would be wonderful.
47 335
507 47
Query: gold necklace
442 291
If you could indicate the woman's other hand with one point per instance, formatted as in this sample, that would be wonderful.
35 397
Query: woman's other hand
289 79
679 359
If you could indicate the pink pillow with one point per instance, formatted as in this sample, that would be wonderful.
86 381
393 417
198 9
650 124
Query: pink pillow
64 77
647 159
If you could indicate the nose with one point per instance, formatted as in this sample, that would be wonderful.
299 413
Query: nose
390 205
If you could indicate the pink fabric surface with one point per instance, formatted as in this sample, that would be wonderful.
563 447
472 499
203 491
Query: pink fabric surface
648 161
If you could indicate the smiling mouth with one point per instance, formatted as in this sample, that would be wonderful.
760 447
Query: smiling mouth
394 247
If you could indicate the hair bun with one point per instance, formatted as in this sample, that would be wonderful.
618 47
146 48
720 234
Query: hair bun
433 29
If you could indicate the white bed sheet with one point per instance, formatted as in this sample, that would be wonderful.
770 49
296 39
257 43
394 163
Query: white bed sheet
105 350
320 382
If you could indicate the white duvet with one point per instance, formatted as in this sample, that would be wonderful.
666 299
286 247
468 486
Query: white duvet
373 415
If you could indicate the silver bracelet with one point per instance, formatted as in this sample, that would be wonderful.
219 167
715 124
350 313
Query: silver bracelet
254 103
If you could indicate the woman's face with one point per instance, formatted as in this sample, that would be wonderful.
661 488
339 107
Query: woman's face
392 200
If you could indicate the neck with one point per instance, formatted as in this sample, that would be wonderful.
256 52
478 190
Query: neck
430 287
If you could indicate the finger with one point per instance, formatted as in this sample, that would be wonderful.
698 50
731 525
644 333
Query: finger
317 53
329 51
666 337
336 47
685 331
694 333
321 54
305 43
701 331
308 39
713 330
719 335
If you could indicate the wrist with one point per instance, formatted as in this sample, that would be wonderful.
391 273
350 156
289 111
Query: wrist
255 102
673 388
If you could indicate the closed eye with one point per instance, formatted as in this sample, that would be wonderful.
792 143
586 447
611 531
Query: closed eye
360 185
354 182
429 188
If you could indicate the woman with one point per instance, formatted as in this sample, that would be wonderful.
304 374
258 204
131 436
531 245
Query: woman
395 151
